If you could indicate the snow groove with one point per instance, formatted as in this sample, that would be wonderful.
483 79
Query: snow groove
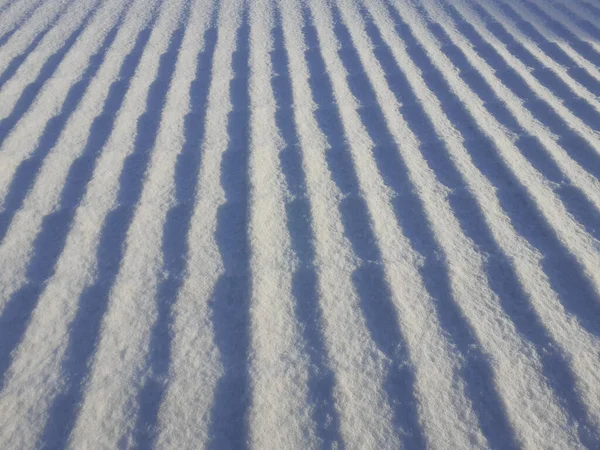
288 224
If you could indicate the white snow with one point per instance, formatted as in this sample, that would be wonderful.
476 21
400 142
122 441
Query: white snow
299 224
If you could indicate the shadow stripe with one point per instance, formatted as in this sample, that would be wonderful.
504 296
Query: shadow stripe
230 302
551 49
94 301
585 49
17 312
564 272
524 216
369 278
305 287
500 273
27 171
6 36
30 92
18 60
574 145
175 246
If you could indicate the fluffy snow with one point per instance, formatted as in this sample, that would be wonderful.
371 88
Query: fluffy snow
369 224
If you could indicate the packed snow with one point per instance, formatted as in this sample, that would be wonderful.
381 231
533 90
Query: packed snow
290 224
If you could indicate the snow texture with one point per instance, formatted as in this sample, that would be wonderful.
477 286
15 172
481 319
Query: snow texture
283 224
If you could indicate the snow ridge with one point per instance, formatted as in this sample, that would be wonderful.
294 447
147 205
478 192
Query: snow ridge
299 224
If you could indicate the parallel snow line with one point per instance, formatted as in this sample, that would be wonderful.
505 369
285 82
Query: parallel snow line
20 26
432 76
503 279
511 296
528 34
21 91
401 173
580 114
15 61
230 303
579 297
464 280
584 244
19 238
474 371
518 85
575 95
566 29
174 245
361 191
572 199
25 173
280 413
12 60
300 224
549 32
186 413
344 223
581 18
56 309
40 99
131 237
571 117
547 160
89 301
474 54
528 45
569 19
39 268
365 417
73 372
565 234
369 277
52 180
13 15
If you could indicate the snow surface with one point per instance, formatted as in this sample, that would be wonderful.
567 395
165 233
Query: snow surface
368 224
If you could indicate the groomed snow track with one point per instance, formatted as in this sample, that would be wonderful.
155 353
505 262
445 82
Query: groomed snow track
369 224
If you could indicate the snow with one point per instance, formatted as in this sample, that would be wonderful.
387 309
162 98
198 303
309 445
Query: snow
299 224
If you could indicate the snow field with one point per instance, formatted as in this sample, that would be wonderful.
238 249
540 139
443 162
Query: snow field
285 224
